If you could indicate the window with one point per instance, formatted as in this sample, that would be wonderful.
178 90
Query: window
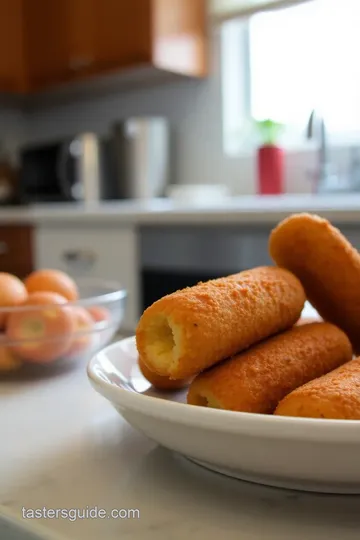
292 61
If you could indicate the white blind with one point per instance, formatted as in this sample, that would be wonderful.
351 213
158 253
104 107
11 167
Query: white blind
222 10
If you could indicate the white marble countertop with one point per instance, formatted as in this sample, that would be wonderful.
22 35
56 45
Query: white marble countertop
64 447
243 210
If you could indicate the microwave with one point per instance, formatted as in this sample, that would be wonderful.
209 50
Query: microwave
74 169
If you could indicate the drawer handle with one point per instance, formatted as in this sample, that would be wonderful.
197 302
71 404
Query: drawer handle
80 62
3 248
81 256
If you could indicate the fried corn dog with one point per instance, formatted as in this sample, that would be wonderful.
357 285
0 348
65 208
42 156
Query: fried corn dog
326 264
158 381
335 395
256 380
193 329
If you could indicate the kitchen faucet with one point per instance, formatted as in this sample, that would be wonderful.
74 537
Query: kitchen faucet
325 179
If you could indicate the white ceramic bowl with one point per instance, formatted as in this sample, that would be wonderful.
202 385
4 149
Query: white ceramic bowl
295 453
198 194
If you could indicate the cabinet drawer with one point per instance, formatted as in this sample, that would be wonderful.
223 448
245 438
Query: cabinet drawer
100 252
16 254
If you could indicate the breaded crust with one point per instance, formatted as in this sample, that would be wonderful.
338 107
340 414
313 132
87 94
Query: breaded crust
159 382
327 266
193 329
256 380
335 395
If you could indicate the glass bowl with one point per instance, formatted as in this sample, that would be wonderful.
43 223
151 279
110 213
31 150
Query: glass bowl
42 337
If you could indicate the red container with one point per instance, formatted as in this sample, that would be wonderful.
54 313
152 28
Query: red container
270 166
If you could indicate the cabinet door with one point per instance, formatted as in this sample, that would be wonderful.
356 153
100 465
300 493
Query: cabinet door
80 36
69 39
46 41
16 250
122 33
11 47
93 252
179 36
59 40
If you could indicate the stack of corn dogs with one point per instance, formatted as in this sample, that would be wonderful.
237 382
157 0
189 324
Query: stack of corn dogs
239 342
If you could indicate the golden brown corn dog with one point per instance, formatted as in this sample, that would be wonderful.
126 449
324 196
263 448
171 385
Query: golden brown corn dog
326 264
192 329
160 382
256 380
335 395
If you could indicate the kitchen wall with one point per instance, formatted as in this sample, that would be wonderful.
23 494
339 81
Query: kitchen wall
12 128
194 111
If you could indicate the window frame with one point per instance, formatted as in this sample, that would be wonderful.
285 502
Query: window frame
238 136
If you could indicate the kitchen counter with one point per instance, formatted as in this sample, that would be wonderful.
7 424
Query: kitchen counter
64 447
237 210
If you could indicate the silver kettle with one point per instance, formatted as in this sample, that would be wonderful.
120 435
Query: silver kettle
141 155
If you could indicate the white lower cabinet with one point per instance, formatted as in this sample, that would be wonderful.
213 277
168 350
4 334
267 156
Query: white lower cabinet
109 253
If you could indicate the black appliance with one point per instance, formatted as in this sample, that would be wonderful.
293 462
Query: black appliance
178 256
74 169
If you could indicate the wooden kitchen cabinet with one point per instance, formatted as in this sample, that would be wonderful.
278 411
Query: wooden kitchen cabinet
16 249
12 68
48 41
121 33
69 40
93 251
167 34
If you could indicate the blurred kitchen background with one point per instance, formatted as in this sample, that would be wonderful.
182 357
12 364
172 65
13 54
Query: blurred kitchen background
156 142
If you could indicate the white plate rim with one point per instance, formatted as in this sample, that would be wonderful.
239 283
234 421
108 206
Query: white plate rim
220 420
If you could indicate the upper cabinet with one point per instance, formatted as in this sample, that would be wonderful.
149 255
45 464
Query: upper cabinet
12 69
71 40
46 41
179 36
121 33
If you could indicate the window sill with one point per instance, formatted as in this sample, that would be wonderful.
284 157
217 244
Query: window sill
250 151
233 150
